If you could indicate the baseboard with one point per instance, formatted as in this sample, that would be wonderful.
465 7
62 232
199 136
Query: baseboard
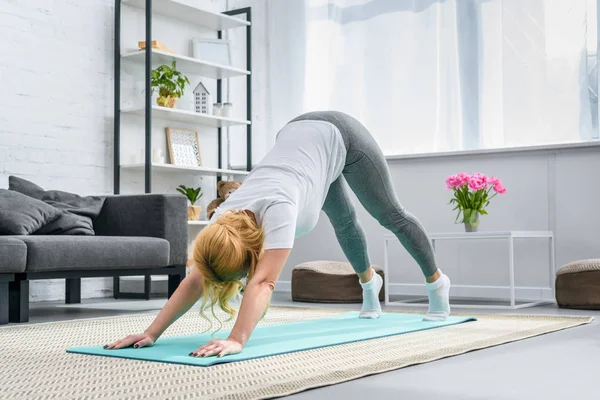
463 291
45 290
283 286
476 292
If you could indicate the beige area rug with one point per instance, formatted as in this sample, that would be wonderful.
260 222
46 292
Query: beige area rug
34 364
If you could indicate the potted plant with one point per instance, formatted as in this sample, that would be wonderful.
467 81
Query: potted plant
193 195
169 83
472 196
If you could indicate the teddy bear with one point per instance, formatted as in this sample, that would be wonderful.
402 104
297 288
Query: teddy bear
224 189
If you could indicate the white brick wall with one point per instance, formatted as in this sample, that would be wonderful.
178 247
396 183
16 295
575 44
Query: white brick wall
56 111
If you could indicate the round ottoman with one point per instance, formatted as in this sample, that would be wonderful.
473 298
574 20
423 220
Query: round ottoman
328 282
578 285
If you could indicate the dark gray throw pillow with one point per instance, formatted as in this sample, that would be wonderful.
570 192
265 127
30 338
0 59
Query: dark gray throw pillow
78 212
22 215
68 224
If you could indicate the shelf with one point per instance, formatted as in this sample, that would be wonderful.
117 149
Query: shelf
153 278
201 223
187 65
189 13
175 115
192 170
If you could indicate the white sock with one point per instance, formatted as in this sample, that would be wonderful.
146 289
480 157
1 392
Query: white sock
370 306
439 299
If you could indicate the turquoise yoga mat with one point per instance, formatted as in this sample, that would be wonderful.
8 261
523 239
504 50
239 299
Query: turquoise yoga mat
279 339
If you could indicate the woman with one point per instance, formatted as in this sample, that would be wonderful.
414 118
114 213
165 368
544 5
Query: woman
317 159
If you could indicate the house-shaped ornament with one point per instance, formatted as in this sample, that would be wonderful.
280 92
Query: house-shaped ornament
202 99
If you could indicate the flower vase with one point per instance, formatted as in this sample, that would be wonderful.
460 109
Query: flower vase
166 101
194 213
471 223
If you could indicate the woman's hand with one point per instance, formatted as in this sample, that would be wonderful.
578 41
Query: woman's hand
137 341
217 347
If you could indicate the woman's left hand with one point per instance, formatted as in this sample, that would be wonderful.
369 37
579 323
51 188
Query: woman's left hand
217 347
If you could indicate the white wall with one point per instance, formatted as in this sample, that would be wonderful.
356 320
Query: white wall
546 190
56 112
56 108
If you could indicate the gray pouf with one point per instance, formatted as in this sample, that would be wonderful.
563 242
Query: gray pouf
578 285
328 282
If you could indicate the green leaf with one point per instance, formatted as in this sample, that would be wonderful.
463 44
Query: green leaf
195 194
457 220
192 194
168 81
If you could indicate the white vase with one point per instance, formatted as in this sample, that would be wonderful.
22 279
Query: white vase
472 227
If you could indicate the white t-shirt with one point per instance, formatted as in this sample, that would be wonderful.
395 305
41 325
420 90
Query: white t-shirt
286 191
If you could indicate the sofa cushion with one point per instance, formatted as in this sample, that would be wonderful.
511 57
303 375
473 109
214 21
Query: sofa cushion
77 212
22 215
59 253
13 255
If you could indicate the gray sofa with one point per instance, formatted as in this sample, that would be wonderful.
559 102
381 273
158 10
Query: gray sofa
134 235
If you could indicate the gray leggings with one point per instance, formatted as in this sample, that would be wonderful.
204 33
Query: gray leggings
366 173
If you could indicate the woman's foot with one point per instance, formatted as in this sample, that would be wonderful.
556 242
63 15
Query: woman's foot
439 299
371 308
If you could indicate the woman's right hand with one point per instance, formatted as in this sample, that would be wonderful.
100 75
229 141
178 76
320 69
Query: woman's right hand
186 295
137 341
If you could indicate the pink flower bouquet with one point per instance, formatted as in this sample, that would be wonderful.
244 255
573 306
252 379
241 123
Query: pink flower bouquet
472 195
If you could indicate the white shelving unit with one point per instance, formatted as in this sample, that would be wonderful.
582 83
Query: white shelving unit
199 223
187 65
191 117
193 170
190 13
153 278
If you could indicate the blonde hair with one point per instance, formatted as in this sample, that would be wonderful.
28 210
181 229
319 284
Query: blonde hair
225 253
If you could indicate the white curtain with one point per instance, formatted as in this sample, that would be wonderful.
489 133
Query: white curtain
436 75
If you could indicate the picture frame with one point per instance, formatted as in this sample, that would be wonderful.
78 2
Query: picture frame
184 147
216 51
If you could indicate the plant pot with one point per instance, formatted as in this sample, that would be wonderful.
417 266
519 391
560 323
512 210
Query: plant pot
166 101
194 213
472 226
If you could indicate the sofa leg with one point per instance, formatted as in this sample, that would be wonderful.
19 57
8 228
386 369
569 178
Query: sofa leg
147 286
73 290
117 294
175 280
18 301
3 303
116 287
